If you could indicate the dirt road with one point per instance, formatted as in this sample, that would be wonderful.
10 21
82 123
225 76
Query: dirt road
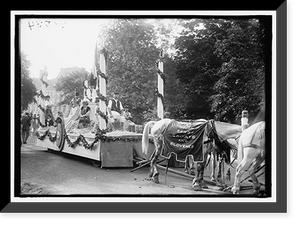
46 172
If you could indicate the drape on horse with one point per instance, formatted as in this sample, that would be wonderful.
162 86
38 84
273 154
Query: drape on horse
194 138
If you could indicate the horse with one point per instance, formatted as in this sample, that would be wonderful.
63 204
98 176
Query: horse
158 130
225 133
251 149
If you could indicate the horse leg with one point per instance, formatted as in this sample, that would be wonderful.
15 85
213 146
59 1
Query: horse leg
256 184
192 165
153 168
213 166
187 165
219 177
241 168
198 182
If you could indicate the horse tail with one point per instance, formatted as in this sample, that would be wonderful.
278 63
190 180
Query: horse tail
145 137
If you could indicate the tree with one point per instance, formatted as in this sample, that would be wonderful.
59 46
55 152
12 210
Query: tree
221 66
28 89
242 73
71 81
132 64
197 65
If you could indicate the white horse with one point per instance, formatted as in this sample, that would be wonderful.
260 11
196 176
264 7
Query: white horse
157 132
252 151
208 146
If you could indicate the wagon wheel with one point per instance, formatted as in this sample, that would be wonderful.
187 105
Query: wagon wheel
96 163
60 138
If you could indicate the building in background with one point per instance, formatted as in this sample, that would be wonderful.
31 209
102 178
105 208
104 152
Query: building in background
46 87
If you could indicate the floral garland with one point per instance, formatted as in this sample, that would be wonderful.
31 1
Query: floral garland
102 114
44 82
81 139
102 97
158 94
99 72
41 95
100 135
47 133
162 75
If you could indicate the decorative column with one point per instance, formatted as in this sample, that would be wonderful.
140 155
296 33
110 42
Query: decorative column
160 87
101 73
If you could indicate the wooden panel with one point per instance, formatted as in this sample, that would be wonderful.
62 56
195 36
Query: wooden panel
117 154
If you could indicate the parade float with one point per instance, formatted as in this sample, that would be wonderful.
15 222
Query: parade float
105 148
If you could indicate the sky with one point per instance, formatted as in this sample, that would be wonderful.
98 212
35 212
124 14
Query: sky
59 43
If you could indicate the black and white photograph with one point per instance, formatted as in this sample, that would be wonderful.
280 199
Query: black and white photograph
145 107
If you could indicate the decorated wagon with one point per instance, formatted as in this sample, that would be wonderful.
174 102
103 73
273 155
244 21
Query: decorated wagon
106 149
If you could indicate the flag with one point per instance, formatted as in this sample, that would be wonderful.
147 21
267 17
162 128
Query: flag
95 66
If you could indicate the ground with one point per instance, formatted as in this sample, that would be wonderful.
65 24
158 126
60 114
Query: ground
46 172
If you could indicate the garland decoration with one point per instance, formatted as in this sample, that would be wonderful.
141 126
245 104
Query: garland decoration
100 136
44 82
40 94
162 75
98 70
102 114
102 97
81 139
47 133
158 94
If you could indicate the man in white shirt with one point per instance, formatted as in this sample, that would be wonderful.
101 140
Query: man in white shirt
116 110
244 120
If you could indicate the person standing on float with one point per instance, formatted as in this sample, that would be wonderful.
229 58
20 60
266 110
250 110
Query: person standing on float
116 110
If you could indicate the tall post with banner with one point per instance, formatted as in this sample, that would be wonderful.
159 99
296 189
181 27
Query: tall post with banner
160 87
102 87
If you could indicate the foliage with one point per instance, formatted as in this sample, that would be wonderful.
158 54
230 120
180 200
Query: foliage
132 64
70 82
214 68
28 89
221 67
241 83
197 66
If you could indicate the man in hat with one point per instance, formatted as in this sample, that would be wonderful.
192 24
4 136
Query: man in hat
116 110
25 126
